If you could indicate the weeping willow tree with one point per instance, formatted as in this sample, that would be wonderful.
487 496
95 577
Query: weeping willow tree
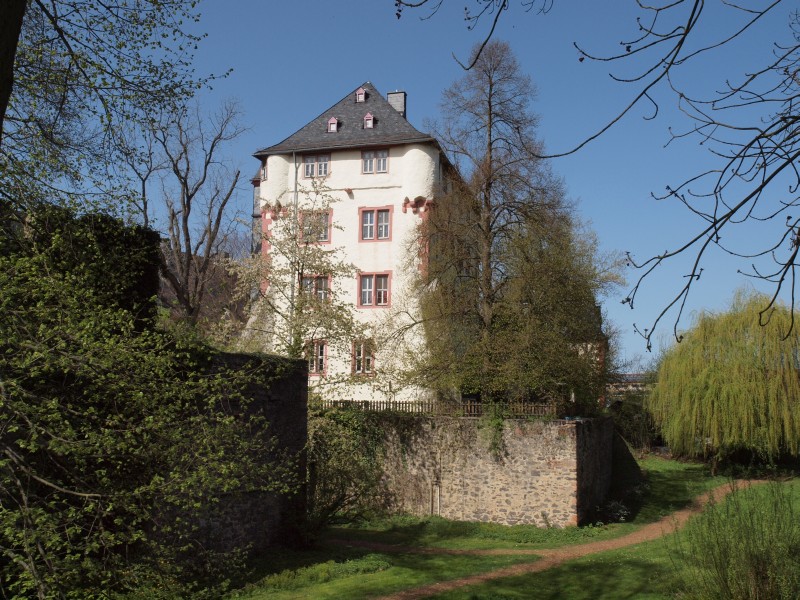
733 383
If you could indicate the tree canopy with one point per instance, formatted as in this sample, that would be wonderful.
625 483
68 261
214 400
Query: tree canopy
733 383
504 244
80 71
297 303
748 122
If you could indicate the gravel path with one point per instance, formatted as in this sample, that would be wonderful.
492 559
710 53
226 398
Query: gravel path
549 557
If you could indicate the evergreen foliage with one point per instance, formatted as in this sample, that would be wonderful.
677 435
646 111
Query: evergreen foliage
733 383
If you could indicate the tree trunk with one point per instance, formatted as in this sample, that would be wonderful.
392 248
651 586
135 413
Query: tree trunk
11 15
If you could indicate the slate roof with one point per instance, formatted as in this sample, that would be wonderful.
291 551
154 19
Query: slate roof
389 127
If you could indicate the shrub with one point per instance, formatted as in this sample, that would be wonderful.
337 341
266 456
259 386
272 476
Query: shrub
345 458
746 548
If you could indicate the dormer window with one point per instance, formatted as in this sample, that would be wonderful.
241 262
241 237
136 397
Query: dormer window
361 94
368 120
333 124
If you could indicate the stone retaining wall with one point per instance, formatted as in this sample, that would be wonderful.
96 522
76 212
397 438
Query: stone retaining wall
548 473
256 520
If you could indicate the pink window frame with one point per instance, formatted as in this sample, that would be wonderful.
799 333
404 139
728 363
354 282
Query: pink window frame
315 278
362 93
333 125
316 162
374 276
375 162
369 122
375 209
329 211
354 358
313 345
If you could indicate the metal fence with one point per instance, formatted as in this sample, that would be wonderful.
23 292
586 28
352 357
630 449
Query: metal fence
468 408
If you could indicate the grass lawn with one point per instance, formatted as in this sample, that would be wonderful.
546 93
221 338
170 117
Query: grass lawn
371 574
335 571
644 572
651 571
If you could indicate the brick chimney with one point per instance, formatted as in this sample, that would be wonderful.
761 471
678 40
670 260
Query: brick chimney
398 102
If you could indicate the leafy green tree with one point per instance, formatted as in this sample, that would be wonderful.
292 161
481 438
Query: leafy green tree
299 298
504 244
732 383
80 71
113 437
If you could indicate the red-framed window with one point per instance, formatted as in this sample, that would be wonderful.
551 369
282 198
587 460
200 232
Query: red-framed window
318 285
374 289
317 355
361 94
375 161
363 359
375 224
315 226
333 125
315 165
369 121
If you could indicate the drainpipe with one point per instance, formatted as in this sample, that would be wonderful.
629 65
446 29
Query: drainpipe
295 275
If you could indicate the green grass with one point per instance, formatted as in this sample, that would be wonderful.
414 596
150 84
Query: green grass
644 572
372 574
656 570
336 571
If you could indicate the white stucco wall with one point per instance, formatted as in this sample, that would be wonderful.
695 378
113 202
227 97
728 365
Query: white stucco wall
413 171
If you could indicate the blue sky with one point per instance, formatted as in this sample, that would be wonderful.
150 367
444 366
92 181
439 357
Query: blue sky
293 59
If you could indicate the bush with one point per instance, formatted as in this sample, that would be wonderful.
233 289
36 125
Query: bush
746 548
114 437
345 457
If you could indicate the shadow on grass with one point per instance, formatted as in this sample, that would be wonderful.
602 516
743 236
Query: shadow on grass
667 491
277 560
369 575
627 577
436 531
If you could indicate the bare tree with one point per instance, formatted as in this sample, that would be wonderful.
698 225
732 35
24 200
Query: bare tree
11 16
750 126
197 188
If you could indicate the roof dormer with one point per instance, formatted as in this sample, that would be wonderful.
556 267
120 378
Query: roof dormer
333 125
368 121
361 95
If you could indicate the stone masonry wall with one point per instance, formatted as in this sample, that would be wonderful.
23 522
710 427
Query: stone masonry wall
593 467
547 473
258 520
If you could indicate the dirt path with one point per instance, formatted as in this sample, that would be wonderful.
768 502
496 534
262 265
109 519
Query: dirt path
550 557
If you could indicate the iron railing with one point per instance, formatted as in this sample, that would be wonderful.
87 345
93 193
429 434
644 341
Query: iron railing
467 408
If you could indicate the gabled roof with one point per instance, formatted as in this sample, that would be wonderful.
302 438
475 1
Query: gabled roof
389 127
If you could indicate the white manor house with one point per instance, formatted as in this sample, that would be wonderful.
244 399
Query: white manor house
379 177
